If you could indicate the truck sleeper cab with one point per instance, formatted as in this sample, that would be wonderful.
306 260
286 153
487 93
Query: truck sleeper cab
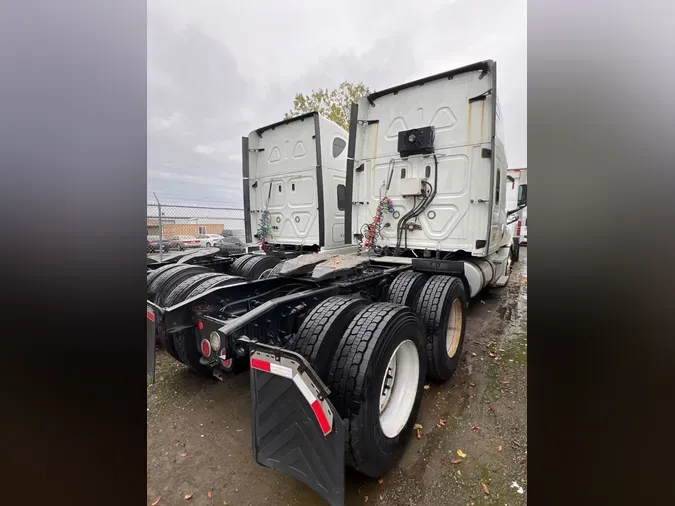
294 184
434 148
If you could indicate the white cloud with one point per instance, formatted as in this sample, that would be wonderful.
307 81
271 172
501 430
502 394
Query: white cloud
164 123
205 150
216 71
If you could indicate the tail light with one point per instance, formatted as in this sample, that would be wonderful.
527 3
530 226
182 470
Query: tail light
206 348
518 227
214 340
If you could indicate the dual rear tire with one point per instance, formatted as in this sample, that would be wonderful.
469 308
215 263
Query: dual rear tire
253 267
440 302
374 358
441 306
173 284
371 357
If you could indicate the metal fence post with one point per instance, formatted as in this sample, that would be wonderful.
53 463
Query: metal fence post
188 222
161 231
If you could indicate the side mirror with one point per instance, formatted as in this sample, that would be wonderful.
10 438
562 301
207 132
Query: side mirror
522 195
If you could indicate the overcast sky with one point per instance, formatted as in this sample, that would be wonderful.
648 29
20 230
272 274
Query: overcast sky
218 69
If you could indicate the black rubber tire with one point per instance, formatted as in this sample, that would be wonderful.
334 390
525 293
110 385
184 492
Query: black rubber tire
220 280
166 343
274 273
156 272
188 351
406 288
235 268
178 294
516 252
181 291
509 269
321 331
162 286
433 306
255 267
192 286
355 380
171 280
167 280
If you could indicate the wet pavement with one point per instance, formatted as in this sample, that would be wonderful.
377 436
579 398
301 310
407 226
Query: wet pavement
199 431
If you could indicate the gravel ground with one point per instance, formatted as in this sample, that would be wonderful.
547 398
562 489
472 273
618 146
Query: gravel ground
199 437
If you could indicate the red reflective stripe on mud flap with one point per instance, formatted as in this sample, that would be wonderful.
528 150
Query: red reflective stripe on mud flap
315 404
261 365
272 368
321 416
151 316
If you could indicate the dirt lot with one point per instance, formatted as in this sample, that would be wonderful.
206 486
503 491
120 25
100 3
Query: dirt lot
199 438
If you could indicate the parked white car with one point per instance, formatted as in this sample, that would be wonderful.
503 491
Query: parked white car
187 241
208 240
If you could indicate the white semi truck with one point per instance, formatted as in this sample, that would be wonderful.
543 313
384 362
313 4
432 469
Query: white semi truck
520 182
516 188
341 339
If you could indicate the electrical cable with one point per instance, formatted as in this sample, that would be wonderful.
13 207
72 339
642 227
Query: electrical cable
401 228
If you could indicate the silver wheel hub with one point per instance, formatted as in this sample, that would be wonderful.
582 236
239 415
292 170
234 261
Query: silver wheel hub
399 388
388 383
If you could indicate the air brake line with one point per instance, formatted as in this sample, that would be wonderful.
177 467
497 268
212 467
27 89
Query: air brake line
401 228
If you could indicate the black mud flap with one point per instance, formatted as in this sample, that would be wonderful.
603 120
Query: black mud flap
296 429
151 340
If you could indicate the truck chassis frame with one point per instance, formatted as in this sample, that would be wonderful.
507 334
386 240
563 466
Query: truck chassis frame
257 319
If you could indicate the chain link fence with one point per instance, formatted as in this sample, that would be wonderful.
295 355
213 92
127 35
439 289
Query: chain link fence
175 228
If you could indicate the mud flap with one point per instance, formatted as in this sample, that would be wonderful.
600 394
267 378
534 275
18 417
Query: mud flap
296 429
151 344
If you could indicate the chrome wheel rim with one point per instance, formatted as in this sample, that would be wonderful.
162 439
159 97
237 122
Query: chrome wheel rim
265 274
399 388
453 333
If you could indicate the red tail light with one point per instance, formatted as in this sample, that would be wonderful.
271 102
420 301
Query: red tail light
518 227
206 348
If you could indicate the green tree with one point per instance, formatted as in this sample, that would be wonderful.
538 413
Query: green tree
333 104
